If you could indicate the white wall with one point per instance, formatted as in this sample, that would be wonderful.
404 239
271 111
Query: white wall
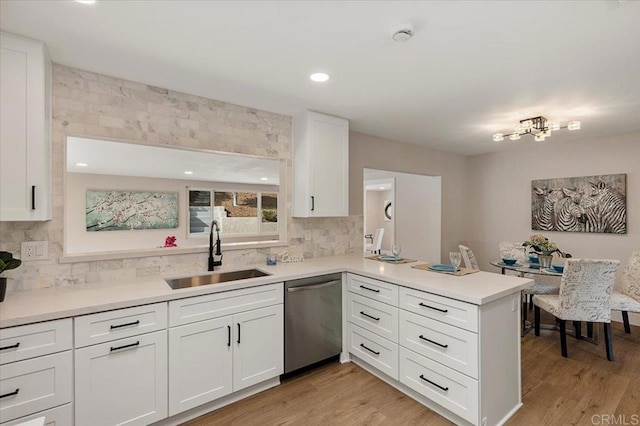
500 200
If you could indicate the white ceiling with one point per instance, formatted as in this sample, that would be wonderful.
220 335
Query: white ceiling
124 159
472 69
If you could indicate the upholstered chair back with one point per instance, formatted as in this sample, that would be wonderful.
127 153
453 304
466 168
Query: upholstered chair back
468 257
631 276
585 289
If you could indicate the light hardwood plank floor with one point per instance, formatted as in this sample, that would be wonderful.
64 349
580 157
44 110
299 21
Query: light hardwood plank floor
555 391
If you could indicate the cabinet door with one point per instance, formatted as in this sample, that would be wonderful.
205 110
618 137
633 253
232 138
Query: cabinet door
329 164
200 363
123 382
25 93
258 346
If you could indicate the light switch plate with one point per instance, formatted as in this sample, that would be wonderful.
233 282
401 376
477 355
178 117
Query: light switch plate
34 250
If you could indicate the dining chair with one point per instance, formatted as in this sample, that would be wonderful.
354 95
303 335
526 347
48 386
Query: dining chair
377 241
628 299
468 257
516 250
585 295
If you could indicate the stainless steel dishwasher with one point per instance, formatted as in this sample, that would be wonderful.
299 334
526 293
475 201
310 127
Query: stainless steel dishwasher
312 320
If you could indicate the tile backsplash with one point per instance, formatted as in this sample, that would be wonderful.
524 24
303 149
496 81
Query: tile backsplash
89 104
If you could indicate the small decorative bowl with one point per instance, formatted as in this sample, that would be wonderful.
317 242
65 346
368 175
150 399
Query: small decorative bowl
509 260
534 259
558 267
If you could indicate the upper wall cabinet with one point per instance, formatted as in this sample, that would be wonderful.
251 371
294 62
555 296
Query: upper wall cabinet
320 165
25 130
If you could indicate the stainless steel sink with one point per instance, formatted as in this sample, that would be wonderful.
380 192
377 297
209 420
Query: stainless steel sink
216 278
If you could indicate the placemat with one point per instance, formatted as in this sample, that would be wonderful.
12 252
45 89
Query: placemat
393 262
459 273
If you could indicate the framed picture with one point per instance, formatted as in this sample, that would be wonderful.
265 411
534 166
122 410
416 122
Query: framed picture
131 210
596 204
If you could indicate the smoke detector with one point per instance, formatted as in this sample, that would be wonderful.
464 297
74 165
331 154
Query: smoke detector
403 32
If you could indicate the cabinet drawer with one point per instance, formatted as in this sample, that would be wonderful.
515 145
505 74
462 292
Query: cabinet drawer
454 312
375 350
454 391
376 317
59 416
193 309
36 384
451 346
28 341
373 289
112 325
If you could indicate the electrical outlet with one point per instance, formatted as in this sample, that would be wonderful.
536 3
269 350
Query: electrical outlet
307 235
34 250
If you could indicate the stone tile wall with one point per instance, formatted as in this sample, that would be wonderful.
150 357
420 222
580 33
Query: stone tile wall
89 104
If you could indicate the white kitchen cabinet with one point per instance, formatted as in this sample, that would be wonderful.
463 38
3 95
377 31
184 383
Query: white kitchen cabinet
213 357
200 363
25 130
36 371
259 346
122 382
320 165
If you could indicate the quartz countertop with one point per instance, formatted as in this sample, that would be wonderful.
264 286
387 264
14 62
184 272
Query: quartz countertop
46 304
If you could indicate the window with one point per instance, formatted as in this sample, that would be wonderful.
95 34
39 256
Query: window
242 215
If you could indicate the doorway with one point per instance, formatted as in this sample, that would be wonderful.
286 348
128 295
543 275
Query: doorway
415 212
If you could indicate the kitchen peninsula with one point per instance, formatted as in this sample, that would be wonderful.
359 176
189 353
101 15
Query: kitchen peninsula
475 381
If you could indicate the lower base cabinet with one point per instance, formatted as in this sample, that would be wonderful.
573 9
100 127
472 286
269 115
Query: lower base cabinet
213 358
123 382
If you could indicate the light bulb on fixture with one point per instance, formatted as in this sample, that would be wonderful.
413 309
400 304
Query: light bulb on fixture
498 137
553 125
573 125
319 77
546 133
527 124
514 136
188 172
539 137
519 129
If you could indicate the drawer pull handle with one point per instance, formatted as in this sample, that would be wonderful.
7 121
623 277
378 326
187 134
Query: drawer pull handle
229 335
432 341
434 308
370 289
369 349
125 346
434 384
238 333
10 346
15 392
125 325
369 316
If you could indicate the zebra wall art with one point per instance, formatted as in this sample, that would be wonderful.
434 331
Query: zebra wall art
580 204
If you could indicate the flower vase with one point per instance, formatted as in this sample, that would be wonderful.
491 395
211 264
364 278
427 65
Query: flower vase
545 261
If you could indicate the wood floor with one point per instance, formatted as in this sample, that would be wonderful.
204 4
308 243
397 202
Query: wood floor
555 391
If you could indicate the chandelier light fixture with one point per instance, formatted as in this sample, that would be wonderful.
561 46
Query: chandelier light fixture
538 127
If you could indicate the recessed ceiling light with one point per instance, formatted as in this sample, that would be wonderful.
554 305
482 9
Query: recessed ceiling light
188 172
319 77
264 178
86 1
82 165
382 187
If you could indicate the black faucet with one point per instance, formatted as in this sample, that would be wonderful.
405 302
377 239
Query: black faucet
213 263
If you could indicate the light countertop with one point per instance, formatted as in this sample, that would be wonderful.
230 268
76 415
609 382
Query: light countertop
54 303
